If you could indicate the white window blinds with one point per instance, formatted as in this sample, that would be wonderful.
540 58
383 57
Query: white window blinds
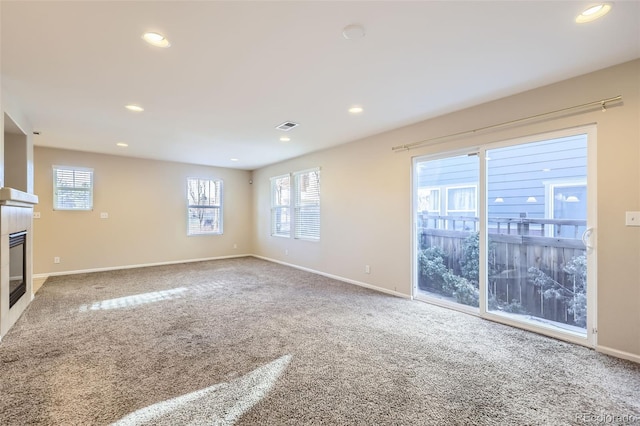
72 188
281 206
307 204
204 206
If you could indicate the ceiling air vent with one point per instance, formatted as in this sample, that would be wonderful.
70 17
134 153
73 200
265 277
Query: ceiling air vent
287 125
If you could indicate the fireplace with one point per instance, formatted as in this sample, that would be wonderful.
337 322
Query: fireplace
16 236
17 266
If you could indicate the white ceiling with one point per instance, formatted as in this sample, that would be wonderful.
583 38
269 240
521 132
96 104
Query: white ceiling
238 69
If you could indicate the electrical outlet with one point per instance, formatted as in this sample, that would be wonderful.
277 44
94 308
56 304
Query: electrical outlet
56 259
104 215
632 219
286 252
36 215
367 269
235 246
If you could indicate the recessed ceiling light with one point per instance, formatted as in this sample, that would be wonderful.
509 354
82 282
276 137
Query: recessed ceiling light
234 159
285 139
156 39
122 144
135 108
353 31
594 12
355 109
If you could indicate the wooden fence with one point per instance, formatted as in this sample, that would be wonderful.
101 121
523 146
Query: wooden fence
515 245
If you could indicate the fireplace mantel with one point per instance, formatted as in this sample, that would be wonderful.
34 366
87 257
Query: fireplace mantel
10 196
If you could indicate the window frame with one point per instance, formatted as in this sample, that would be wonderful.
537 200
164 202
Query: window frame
217 183
550 201
279 207
423 198
447 210
296 207
590 131
57 189
299 205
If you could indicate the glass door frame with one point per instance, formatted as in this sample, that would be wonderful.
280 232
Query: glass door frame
415 241
590 339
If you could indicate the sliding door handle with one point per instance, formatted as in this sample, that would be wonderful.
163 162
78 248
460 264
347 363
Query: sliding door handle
586 239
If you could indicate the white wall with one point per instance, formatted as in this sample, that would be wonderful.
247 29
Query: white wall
146 204
15 161
366 194
12 110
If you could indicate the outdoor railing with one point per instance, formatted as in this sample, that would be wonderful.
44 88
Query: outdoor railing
554 232
517 246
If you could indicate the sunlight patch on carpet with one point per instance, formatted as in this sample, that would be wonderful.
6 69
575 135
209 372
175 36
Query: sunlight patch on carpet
134 300
221 404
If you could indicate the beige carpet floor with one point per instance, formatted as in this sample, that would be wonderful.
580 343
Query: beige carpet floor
248 342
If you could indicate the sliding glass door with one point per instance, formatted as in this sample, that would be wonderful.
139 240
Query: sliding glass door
537 228
506 232
447 230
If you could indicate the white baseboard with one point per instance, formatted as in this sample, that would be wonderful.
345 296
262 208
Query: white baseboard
336 277
142 265
618 354
36 283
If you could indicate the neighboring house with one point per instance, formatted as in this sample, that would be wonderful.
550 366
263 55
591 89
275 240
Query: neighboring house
547 179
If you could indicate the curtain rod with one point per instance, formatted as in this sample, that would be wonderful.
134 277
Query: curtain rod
603 103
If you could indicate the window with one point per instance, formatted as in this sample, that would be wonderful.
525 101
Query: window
461 201
307 204
529 260
72 188
566 200
204 199
429 200
300 207
281 206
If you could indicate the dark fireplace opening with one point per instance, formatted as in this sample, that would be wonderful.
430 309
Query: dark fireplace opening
17 266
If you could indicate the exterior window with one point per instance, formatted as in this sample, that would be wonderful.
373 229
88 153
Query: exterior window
72 188
567 200
281 206
307 204
204 199
461 201
429 200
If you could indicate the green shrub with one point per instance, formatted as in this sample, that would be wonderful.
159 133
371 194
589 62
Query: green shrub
451 283
470 259
432 268
466 293
436 277
576 269
573 293
514 307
